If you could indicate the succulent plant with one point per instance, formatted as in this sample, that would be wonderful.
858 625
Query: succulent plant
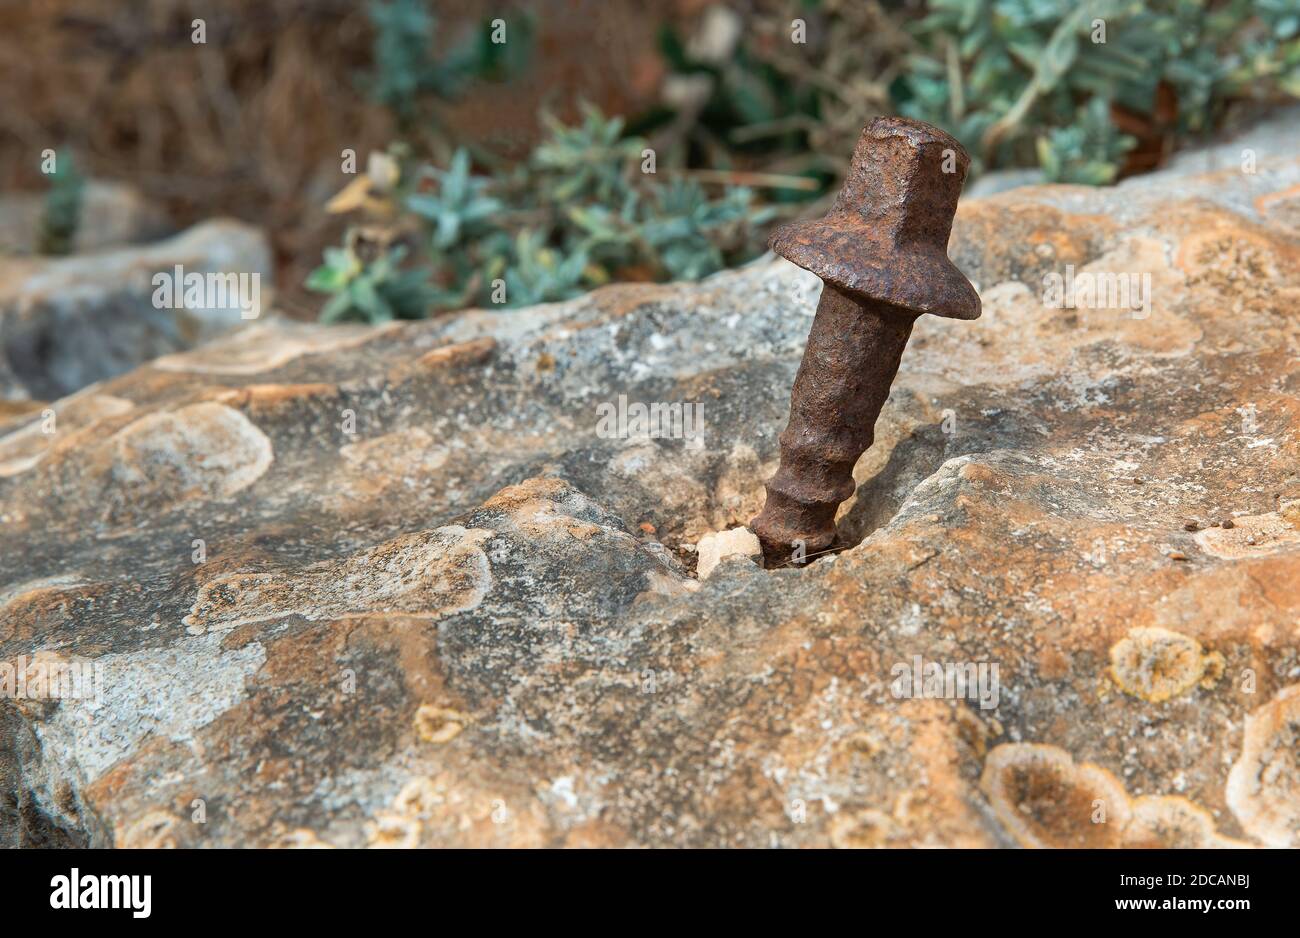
62 215
578 213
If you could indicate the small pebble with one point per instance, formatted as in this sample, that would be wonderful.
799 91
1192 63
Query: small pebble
1191 526
647 527
1176 555
1228 523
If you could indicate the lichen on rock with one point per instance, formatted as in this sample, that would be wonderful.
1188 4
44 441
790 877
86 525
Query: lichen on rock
1264 784
1156 664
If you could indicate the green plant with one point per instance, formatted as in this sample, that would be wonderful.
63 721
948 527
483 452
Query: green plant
1089 152
587 161
404 64
405 69
1023 81
1085 89
537 273
375 290
457 207
686 233
62 215
578 213
736 103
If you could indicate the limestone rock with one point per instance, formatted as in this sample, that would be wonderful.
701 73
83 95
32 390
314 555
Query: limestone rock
68 322
719 545
392 587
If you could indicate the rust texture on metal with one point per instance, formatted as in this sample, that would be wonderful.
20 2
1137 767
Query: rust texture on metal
882 253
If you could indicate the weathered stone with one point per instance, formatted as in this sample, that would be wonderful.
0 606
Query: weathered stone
1003 180
391 587
720 545
68 322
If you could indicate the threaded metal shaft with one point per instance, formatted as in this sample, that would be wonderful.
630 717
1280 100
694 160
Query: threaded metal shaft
853 353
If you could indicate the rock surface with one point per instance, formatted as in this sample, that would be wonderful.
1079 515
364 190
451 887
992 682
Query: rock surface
390 587
718 546
70 321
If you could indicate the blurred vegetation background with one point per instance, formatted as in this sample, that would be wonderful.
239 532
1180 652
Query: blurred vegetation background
503 150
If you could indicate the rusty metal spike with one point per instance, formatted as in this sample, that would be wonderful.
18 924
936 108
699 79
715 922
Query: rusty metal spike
882 254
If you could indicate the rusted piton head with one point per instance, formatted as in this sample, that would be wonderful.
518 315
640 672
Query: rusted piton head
886 236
